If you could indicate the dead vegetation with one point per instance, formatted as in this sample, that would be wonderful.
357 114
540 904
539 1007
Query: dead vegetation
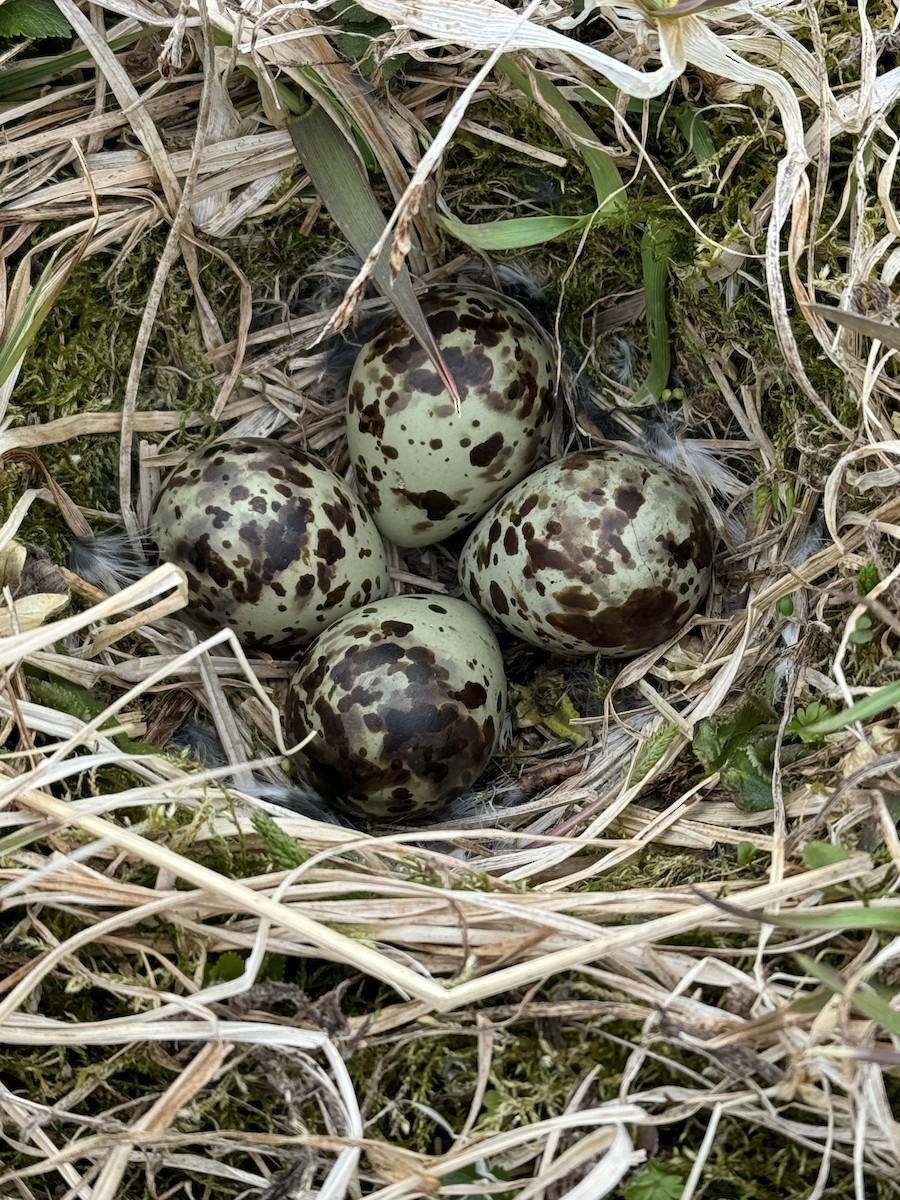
665 929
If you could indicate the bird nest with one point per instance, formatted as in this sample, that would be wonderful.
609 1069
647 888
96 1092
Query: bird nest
659 939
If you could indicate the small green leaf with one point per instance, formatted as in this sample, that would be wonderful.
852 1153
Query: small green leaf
513 234
823 854
32 19
227 966
654 1182
746 852
863 630
809 716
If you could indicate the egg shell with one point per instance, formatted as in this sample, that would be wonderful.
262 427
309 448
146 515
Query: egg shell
424 469
602 550
406 699
274 544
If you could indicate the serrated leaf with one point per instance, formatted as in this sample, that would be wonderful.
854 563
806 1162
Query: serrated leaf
654 1182
354 45
33 19
227 966
750 782
732 723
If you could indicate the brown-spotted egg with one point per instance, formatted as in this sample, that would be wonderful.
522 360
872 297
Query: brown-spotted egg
274 544
425 469
602 550
405 699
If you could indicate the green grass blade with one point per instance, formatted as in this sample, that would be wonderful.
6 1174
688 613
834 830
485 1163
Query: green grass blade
656 253
691 124
605 174
864 998
871 706
847 918
14 80
695 131
40 300
514 233
344 188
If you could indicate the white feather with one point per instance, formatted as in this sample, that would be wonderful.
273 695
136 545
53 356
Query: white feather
110 561
663 441
618 359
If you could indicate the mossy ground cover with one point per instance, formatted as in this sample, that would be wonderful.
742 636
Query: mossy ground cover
735 1067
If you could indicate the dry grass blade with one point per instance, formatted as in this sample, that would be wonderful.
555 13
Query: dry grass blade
877 330
27 306
622 945
486 24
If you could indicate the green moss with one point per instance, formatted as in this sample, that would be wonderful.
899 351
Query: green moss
80 363
80 359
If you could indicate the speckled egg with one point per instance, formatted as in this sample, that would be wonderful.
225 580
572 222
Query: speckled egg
405 698
603 550
424 468
274 544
